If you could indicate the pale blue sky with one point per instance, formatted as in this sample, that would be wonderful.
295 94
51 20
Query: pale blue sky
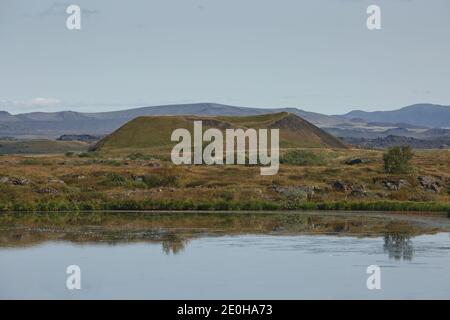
317 55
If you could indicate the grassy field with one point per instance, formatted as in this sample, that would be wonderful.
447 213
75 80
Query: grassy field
40 146
322 179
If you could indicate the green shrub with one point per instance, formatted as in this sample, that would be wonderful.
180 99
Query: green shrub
154 180
29 161
115 179
303 158
227 195
398 159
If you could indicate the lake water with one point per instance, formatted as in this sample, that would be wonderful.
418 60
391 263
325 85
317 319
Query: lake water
192 256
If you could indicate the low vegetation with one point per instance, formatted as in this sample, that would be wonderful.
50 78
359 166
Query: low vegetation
319 179
303 158
41 146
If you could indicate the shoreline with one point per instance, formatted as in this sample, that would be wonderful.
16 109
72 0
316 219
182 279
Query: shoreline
223 206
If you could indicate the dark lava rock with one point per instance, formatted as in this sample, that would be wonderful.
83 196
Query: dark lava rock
341 186
354 161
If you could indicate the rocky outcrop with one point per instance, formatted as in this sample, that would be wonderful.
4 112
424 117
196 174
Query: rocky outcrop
14 181
46 190
395 185
356 190
430 183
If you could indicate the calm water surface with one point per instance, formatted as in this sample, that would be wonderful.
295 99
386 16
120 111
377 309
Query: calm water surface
230 259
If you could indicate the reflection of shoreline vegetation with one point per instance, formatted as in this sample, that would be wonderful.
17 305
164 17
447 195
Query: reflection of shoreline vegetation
117 226
173 244
218 205
174 230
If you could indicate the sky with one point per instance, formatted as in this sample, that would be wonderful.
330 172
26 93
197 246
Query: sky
317 55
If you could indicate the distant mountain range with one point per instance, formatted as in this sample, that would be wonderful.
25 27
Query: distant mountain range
428 115
356 123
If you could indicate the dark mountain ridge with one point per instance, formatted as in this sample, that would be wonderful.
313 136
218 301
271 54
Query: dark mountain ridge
55 124
429 115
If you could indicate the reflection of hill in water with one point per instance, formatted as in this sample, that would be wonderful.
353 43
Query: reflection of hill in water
174 230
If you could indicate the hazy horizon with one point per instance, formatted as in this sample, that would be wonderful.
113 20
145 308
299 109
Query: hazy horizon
217 103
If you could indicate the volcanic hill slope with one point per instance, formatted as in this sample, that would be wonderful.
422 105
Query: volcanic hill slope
152 134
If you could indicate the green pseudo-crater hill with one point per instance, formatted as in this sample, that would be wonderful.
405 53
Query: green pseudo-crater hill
153 133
